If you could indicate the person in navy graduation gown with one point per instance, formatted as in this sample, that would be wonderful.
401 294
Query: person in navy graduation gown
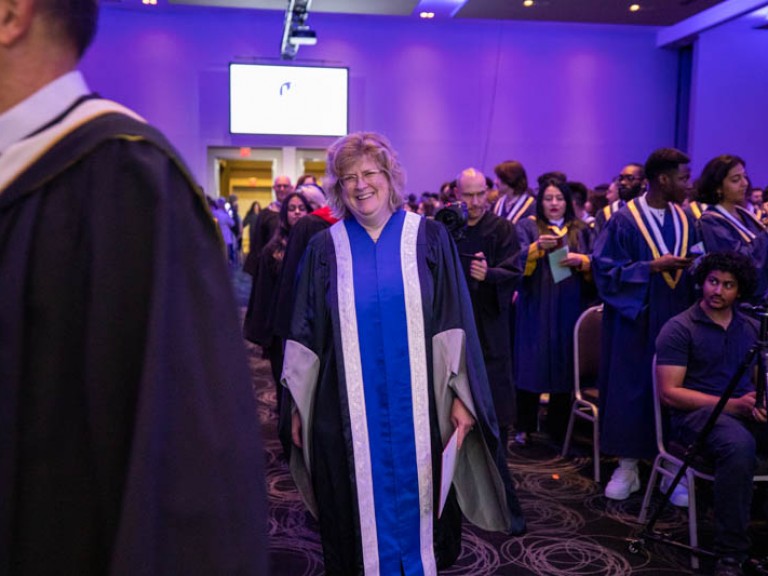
548 307
383 365
727 225
630 183
640 265
515 200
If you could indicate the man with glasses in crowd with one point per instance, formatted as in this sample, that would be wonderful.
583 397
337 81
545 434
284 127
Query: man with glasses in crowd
630 183
267 222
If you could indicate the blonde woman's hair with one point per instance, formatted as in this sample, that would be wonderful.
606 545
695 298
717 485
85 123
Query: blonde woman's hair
350 149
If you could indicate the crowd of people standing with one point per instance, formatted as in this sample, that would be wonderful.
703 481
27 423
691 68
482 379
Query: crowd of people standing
531 261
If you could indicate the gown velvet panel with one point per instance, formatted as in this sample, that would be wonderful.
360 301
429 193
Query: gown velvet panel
637 304
546 314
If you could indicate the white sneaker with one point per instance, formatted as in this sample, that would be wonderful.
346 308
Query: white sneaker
624 482
679 496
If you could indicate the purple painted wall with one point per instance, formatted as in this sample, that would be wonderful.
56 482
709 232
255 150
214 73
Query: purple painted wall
449 94
730 94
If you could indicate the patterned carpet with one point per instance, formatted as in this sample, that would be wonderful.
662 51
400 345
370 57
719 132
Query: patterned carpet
572 528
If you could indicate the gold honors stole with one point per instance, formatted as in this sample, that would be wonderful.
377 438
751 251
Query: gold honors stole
655 241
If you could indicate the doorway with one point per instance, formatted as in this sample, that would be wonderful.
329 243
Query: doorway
249 173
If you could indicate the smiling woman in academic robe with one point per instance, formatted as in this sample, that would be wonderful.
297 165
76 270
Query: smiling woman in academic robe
383 365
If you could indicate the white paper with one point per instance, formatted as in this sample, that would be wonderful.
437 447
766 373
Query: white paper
559 272
449 467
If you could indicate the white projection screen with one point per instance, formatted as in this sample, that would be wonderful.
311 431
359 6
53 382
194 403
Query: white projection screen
288 100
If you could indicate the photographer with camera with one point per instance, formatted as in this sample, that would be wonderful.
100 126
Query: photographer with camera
697 353
489 249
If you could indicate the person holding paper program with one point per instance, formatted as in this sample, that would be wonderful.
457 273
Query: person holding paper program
383 364
556 288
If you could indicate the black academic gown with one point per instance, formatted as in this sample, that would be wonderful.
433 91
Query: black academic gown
267 223
316 374
497 239
298 239
129 439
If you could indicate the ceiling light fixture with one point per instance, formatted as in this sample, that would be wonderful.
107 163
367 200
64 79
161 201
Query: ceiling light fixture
634 8
528 3
296 32
426 15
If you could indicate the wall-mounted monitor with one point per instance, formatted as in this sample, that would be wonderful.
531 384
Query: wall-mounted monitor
288 100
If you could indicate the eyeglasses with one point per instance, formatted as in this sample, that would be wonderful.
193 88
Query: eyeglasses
627 177
296 208
351 181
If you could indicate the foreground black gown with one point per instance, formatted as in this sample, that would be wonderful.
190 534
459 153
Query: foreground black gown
129 439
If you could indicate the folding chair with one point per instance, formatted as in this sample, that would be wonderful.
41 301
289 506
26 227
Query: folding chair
586 361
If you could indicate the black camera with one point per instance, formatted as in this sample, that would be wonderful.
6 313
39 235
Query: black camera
454 217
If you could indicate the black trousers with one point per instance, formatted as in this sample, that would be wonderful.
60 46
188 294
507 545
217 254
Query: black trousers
558 412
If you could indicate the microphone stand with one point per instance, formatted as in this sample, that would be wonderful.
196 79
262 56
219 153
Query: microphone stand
759 349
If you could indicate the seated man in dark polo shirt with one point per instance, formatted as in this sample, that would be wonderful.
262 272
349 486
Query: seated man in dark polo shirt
697 353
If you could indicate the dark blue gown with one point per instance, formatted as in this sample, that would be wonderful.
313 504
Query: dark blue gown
637 304
719 234
546 315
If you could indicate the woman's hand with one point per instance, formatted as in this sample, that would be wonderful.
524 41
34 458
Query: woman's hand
296 428
462 420
573 260
547 242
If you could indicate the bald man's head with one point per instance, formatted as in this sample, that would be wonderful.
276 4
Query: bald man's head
472 188
282 188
